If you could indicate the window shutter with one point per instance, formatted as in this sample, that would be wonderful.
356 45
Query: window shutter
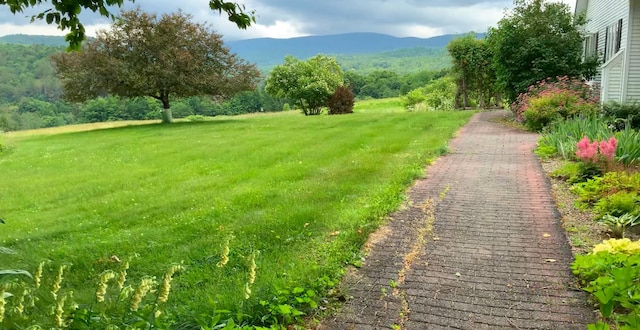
606 44
618 36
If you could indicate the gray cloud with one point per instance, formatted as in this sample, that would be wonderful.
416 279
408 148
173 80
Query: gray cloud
306 17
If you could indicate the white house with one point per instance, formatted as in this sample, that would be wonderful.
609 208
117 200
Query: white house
613 32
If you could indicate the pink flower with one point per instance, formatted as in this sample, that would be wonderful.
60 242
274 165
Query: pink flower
608 148
587 151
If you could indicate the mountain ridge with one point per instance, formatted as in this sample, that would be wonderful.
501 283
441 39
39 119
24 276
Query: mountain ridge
268 52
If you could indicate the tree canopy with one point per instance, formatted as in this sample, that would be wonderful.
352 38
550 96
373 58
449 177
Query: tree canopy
143 55
65 13
472 69
536 40
310 83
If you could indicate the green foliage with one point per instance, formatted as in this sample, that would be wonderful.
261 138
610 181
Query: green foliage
65 14
611 274
401 61
27 72
622 115
563 135
545 151
133 60
618 204
309 83
549 107
536 40
440 94
619 224
118 301
341 102
610 183
473 70
196 118
436 95
413 98
628 151
178 192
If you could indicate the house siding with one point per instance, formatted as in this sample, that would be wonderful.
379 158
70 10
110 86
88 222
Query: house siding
633 78
614 88
603 13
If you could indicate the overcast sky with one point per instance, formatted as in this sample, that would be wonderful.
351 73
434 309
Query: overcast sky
293 18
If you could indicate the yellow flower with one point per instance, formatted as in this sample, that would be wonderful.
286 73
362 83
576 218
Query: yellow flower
60 311
20 302
252 268
57 282
166 283
225 253
123 275
614 246
145 286
247 291
37 278
102 285
2 303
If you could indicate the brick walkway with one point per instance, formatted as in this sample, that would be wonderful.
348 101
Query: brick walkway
479 246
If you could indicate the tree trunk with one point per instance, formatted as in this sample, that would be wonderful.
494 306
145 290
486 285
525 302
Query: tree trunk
465 96
167 117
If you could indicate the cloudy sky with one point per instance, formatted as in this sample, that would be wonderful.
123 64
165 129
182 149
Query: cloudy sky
292 18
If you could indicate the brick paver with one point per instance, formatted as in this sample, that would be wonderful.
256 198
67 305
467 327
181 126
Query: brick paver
479 246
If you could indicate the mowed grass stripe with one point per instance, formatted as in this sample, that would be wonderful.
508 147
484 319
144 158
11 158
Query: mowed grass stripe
280 185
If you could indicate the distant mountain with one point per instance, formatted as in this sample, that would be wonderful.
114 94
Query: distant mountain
360 51
269 51
25 39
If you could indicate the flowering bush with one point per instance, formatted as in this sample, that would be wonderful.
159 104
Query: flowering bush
552 99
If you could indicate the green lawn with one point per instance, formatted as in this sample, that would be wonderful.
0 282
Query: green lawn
300 193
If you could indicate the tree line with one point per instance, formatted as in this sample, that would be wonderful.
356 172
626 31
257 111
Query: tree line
31 94
537 40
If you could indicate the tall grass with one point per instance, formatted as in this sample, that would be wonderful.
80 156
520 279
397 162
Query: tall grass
289 199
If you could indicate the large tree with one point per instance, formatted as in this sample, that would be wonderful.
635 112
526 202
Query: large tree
536 40
143 55
310 83
64 13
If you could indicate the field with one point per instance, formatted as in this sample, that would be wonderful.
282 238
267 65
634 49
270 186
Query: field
298 194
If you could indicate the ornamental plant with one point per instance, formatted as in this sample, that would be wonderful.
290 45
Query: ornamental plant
610 273
598 153
555 98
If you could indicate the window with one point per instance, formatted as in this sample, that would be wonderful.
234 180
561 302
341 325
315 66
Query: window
613 41
590 45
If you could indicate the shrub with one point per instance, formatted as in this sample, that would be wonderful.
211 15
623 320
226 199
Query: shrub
550 106
610 272
622 115
196 118
440 94
618 204
550 100
610 183
413 98
341 102
286 107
